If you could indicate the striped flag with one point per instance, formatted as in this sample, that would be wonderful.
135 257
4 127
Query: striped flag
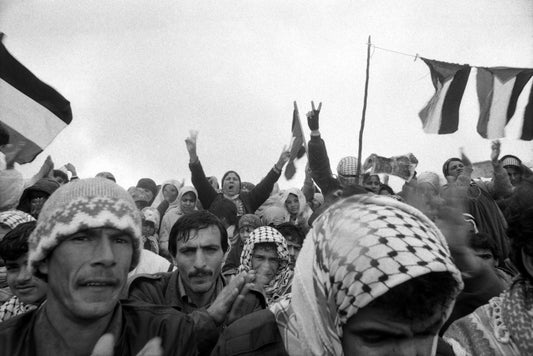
498 90
30 110
441 114
297 147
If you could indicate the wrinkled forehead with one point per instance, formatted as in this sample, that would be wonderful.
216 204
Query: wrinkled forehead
265 249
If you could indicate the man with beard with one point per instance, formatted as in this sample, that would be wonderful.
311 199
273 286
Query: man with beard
197 244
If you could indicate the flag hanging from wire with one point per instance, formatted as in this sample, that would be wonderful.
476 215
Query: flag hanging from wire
30 110
297 146
498 90
441 114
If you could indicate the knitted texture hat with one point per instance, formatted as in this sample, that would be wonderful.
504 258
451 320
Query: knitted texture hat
251 220
80 205
510 160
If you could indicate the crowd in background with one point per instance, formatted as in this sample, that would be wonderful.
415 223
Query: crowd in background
340 264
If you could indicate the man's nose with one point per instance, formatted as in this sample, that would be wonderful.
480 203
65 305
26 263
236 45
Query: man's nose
199 260
23 275
104 253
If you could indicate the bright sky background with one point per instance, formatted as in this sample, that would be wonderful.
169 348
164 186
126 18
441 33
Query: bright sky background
141 73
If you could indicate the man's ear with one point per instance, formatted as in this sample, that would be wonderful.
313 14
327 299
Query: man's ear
43 267
527 261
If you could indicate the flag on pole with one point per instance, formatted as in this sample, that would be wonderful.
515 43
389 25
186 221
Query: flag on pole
498 90
30 111
441 114
297 146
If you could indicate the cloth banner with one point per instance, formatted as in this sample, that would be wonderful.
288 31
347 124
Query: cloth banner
441 114
498 90
401 166
31 112
297 146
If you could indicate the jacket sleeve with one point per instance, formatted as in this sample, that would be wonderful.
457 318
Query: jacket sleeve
261 192
319 165
206 193
140 288
233 260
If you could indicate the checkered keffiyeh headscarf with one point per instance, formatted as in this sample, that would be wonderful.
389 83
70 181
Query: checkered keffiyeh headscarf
12 218
281 283
358 250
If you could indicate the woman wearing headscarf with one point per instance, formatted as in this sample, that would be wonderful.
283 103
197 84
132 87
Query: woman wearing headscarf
185 204
374 277
273 274
167 197
504 325
246 202
478 202
294 201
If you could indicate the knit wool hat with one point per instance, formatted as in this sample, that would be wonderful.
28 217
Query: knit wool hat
510 160
80 205
251 220
149 184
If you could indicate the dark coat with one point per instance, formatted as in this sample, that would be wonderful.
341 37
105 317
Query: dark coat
140 323
251 200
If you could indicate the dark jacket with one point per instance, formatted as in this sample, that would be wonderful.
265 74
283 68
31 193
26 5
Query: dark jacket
319 165
253 334
233 260
140 323
251 200
162 289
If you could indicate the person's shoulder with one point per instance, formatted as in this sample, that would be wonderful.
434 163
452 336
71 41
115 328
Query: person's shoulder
16 324
143 311
144 281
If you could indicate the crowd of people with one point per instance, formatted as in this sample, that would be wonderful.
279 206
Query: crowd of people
342 264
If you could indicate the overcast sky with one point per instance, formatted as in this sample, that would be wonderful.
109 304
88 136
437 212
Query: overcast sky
140 74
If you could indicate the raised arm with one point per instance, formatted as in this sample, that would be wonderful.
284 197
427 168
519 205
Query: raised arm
262 190
206 192
318 156
500 186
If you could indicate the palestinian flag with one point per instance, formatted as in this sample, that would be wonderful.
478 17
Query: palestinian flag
498 90
30 111
441 114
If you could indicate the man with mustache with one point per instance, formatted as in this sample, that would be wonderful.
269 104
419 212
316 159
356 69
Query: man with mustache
197 244
87 238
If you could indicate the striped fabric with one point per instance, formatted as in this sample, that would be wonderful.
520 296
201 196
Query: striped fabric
498 90
30 111
441 114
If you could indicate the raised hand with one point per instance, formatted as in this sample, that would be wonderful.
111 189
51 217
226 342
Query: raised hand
190 142
495 151
312 116
464 158
283 158
224 303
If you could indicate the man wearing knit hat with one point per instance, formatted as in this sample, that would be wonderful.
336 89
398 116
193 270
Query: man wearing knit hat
86 240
